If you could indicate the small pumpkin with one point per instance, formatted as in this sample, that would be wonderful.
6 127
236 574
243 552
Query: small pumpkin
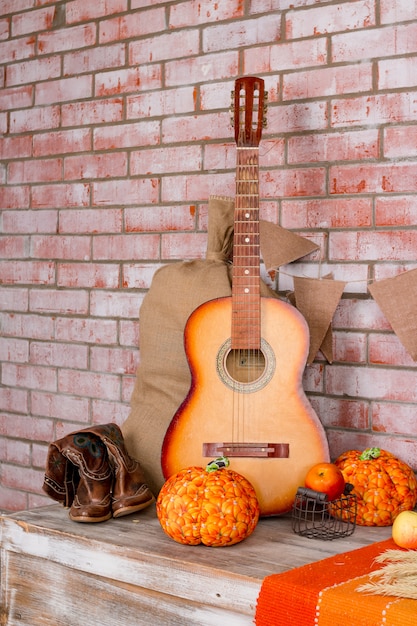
215 506
383 485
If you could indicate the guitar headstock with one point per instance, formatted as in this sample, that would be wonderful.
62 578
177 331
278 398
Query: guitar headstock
249 102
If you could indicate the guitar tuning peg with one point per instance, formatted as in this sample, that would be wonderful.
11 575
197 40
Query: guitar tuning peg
264 110
231 109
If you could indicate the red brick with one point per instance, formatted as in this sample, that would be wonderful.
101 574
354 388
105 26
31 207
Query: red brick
128 80
341 413
61 196
196 128
12 399
159 219
62 142
59 406
183 188
241 34
372 110
92 112
399 419
116 304
35 171
132 25
131 135
371 382
105 412
94 59
160 103
397 211
95 166
396 11
13 299
360 315
291 118
165 160
363 245
329 19
37 118
15 148
349 347
344 146
386 349
17 49
28 376
30 221
327 81
36 500
88 330
32 22
124 192
327 213
114 360
126 247
55 301
12 500
93 275
13 247
354 46
400 141
184 246
91 221
376 178
68 38
220 65
15 197
396 73
24 478
286 55
129 333
138 276
16 98
76 88
61 247
39 456
313 378
12 451
4 28
164 46
14 350
193 12
89 384
80 11
34 70
31 326
32 272
128 384
58 354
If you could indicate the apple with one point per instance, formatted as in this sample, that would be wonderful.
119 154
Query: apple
404 530
326 478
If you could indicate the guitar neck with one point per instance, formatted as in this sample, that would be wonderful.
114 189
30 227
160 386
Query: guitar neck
246 306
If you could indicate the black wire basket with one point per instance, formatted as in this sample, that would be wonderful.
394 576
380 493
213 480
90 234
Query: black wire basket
316 517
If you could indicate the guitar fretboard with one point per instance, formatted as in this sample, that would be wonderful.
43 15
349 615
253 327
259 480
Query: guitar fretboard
246 323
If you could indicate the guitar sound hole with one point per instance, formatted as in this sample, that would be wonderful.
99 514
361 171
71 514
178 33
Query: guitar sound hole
245 371
245 366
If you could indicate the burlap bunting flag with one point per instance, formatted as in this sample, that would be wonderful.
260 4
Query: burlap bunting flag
280 246
397 298
317 300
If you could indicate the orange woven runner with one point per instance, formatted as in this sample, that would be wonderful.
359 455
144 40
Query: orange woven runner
324 594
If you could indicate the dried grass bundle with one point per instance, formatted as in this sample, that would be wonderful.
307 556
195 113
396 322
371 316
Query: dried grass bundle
397 578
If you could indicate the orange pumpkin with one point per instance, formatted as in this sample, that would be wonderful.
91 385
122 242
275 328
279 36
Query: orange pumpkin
214 506
384 485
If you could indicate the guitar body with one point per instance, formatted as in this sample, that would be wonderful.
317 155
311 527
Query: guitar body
249 403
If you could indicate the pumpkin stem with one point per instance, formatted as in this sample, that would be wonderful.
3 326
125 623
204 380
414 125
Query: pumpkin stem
219 463
370 453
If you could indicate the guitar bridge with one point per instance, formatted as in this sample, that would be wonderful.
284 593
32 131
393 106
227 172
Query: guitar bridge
256 450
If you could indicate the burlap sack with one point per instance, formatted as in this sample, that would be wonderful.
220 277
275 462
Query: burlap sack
163 376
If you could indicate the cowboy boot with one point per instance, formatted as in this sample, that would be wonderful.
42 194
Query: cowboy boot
92 501
130 492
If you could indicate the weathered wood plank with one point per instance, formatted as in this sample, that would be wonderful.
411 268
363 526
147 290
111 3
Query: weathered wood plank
48 561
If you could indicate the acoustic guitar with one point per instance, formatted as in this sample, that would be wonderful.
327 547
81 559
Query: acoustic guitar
246 355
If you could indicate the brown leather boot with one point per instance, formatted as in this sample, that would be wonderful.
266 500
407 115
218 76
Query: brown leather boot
79 475
130 492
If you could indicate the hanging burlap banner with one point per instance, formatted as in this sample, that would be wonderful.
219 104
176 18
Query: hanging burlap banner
317 300
397 298
280 246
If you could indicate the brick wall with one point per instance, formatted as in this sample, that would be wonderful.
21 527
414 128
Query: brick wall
115 130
